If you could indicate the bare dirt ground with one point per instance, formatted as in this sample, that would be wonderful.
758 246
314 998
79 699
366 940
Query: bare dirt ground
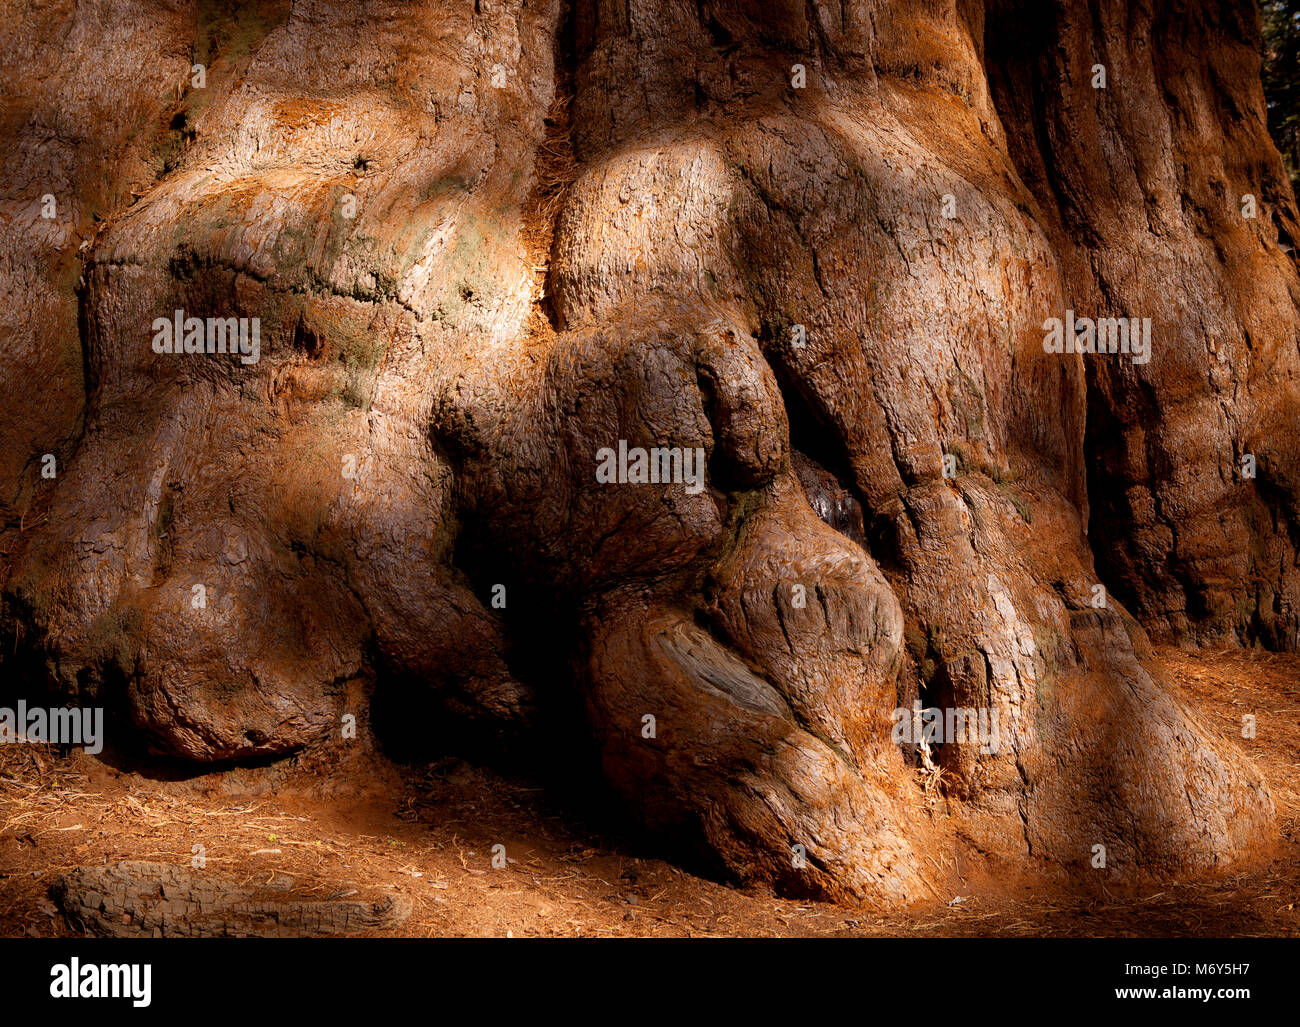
428 832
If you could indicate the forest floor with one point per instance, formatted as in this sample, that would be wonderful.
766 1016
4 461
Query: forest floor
428 833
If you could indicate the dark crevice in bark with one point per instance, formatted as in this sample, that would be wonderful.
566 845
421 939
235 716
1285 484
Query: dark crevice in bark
555 168
810 433
543 642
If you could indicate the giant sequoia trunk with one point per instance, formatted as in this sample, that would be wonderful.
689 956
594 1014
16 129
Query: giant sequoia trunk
491 242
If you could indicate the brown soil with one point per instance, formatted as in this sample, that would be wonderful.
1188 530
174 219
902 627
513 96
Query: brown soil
428 833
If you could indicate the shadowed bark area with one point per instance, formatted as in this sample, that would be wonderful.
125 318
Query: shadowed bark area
1166 199
819 245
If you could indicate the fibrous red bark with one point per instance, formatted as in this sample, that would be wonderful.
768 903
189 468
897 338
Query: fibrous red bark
488 243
